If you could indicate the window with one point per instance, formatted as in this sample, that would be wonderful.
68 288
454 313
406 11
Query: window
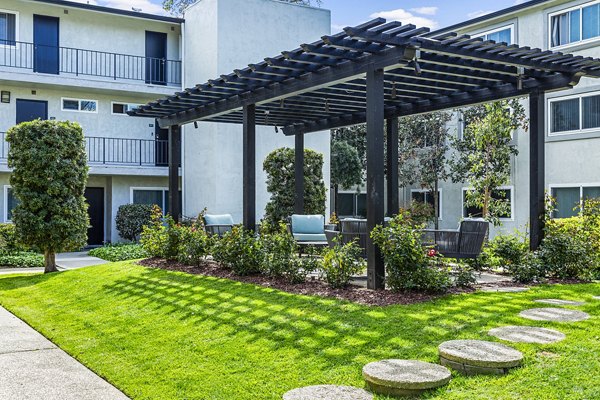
569 199
10 202
152 196
504 193
426 196
574 25
574 114
122 108
351 204
79 105
500 35
8 28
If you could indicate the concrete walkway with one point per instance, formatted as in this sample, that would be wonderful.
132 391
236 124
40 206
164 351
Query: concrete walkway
64 261
32 367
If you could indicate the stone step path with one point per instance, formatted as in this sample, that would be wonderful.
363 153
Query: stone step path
554 314
557 302
527 334
328 392
404 377
479 357
596 297
505 289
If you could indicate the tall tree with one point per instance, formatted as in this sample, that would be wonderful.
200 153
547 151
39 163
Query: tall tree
346 167
49 175
482 157
356 137
422 149
177 7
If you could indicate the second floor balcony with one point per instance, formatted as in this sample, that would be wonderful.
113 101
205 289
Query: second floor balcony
91 63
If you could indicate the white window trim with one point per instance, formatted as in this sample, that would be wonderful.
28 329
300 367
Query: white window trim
16 46
581 186
149 188
581 40
506 187
580 96
112 103
5 215
440 199
62 105
501 28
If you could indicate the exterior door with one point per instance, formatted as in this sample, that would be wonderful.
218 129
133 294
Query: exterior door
45 44
95 200
156 58
29 110
161 146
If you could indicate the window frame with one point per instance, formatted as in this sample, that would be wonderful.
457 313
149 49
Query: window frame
505 187
581 41
579 96
163 189
112 103
5 214
496 30
581 186
440 198
17 18
62 105
354 202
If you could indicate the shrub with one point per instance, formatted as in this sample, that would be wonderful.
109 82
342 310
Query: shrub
22 259
131 219
567 255
530 269
8 239
510 250
162 237
340 263
408 265
119 252
240 250
195 245
464 276
280 251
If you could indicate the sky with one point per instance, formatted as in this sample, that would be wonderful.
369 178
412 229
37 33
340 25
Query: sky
431 13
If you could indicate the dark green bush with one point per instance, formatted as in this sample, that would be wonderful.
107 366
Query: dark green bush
21 259
340 263
407 263
194 245
509 250
119 252
8 239
240 250
565 255
530 269
131 219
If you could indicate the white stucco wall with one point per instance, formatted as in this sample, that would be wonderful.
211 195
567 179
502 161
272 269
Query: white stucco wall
224 35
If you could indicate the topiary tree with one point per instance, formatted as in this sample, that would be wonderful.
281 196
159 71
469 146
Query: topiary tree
131 219
279 166
49 175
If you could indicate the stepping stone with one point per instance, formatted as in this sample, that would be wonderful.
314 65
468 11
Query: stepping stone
554 314
473 357
527 334
328 392
558 302
596 297
404 377
505 289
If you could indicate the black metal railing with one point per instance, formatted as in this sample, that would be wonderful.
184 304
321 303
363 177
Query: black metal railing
117 151
67 60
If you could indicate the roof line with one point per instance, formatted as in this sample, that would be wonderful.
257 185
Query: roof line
483 18
111 10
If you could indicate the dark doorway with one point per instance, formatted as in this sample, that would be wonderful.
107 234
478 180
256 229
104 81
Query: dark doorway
45 44
29 110
161 146
156 58
95 200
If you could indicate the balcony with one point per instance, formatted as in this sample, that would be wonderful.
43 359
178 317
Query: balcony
117 152
91 63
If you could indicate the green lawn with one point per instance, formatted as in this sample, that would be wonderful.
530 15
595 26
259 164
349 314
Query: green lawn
165 335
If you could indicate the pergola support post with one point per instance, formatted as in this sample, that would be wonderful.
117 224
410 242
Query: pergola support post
299 174
375 174
249 167
536 168
174 163
393 202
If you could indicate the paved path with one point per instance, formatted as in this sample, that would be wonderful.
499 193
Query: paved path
32 367
64 261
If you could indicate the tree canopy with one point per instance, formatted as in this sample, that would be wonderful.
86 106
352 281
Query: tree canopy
177 7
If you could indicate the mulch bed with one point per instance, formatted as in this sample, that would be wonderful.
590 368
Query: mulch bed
312 287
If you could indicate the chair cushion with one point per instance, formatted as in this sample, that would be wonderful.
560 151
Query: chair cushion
310 237
311 224
221 219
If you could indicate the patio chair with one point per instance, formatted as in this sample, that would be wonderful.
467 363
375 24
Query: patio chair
351 230
308 229
465 242
218 224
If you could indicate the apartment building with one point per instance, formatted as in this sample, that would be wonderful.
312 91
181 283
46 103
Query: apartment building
71 61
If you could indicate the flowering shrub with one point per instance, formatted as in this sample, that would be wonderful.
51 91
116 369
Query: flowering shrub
240 250
340 263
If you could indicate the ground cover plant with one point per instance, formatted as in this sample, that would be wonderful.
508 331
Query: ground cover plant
13 254
158 334
119 252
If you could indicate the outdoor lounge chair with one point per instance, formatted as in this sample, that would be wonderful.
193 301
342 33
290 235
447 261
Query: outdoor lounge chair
308 229
351 230
465 242
218 224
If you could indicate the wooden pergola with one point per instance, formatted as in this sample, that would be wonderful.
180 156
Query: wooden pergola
371 73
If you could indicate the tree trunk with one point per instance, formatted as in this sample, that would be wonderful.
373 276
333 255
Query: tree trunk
436 209
486 204
49 262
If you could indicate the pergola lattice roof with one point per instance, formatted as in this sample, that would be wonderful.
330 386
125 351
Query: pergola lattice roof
322 85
